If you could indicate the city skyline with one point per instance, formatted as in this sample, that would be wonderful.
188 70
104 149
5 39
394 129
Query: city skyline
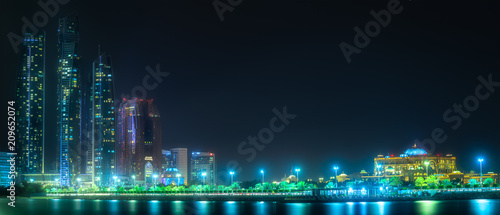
415 109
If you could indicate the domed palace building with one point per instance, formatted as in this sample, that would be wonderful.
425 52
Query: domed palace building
414 163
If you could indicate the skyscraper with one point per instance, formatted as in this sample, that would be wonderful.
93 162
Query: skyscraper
30 101
203 167
68 100
179 155
5 169
139 139
103 121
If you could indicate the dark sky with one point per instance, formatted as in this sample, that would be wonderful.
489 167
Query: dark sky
226 77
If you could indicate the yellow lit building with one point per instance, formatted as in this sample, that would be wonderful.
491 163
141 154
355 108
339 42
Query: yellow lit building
414 163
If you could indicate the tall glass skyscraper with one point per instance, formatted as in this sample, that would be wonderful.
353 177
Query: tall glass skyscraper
139 145
103 121
30 99
68 100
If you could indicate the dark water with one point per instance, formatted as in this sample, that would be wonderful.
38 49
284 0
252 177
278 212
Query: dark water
98 207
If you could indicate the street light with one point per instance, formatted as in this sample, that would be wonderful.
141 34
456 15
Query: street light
155 176
378 172
336 180
481 169
114 178
231 173
133 177
178 180
262 171
297 170
204 174
79 179
427 167
31 180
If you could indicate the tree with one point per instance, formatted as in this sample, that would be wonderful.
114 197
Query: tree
472 181
329 185
446 182
81 190
301 185
395 181
235 186
384 182
419 182
488 182
431 180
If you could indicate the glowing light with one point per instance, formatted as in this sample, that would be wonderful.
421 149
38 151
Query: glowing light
415 152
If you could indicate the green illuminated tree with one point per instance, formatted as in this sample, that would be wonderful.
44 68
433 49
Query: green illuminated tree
446 182
419 182
431 180
395 181
473 182
329 185
384 182
301 185
488 182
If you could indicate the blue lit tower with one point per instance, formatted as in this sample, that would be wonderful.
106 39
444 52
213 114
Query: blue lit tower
68 100
103 121
30 98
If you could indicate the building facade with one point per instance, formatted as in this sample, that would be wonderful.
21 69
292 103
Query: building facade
414 163
68 100
203 167
139 143
180 158
30 103
103 121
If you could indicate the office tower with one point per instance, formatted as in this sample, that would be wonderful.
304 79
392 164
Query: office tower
103 121
86 125
203 167
179 156
68 100
5 169
139 144
30 112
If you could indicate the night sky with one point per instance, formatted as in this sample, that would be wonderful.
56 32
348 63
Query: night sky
226 77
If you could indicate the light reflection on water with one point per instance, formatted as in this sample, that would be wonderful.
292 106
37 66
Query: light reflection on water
98 207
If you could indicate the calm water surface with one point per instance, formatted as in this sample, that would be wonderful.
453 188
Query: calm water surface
98 207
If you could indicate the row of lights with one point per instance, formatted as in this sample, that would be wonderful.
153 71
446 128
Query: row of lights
335 168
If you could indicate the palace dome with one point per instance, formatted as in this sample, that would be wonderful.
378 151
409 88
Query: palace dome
415 151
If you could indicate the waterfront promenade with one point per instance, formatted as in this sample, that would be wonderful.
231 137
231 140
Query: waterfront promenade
455 194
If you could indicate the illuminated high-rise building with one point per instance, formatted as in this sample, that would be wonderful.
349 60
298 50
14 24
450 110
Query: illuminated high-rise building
103 121
139 146
180 158
203 167
68 100
30 99
5 169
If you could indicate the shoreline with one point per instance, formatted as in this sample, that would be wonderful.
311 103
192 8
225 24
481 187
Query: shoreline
282 199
